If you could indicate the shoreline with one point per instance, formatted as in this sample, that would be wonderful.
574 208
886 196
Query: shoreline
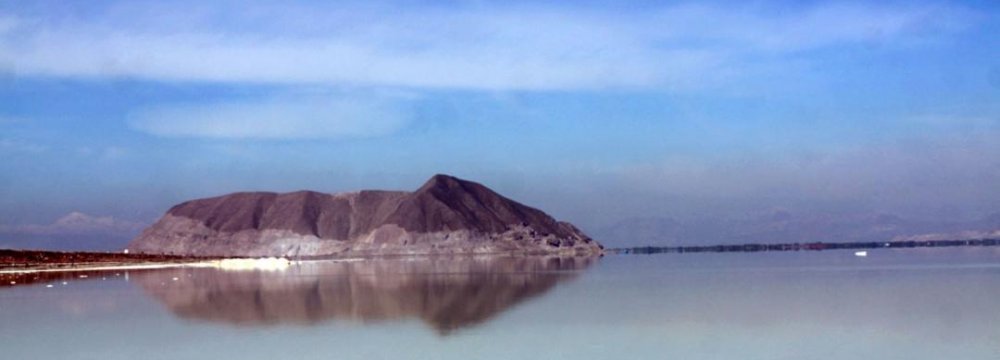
30 261
106 267
20 262
808 246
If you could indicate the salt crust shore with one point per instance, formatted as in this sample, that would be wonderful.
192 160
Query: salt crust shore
225 264
228 264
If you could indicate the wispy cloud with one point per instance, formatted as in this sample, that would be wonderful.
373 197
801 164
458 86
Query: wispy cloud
10 120
308 117
468 47
77 223
770 29
20 146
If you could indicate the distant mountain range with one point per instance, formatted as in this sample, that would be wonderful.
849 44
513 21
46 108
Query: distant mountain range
786 227
448 205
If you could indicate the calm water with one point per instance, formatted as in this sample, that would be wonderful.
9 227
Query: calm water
893 304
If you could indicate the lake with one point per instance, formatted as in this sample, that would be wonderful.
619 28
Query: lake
892 304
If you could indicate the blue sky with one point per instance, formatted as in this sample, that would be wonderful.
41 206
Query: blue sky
594 112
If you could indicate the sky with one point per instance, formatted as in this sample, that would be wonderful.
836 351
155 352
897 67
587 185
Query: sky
112 111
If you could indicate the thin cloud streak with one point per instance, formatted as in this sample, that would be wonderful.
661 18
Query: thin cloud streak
543 47
278 118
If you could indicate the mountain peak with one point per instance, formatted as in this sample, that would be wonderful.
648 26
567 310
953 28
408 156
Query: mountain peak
446 215
442 181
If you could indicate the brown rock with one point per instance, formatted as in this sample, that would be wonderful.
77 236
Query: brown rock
446 215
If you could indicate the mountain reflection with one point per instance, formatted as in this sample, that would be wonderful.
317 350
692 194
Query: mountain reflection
446 293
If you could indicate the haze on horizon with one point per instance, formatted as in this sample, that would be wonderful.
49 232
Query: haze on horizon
112 111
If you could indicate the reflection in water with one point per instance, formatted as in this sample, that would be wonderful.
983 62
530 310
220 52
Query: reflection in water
893 305
447 293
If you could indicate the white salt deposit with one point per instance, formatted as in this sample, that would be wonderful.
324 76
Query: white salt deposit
266 264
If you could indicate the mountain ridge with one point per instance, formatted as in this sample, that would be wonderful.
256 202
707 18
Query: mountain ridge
444 215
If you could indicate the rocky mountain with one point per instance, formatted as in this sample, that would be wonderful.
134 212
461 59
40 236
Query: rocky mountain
446 215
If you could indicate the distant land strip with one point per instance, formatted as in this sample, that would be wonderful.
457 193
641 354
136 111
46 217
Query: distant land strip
810 246
44 259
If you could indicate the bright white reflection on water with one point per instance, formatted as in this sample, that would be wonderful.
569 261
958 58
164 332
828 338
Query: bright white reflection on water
892 304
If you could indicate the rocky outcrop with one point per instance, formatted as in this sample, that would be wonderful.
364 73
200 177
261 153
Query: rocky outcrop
446 215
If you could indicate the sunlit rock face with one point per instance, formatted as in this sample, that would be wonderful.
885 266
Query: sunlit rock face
446 293
446 215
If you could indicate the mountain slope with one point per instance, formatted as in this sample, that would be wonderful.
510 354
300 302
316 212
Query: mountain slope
446 215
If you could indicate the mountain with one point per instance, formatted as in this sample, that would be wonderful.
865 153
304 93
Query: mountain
446 215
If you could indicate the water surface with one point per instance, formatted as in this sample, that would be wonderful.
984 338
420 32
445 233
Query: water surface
893 304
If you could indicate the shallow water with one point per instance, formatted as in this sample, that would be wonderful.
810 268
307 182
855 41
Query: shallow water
893 304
